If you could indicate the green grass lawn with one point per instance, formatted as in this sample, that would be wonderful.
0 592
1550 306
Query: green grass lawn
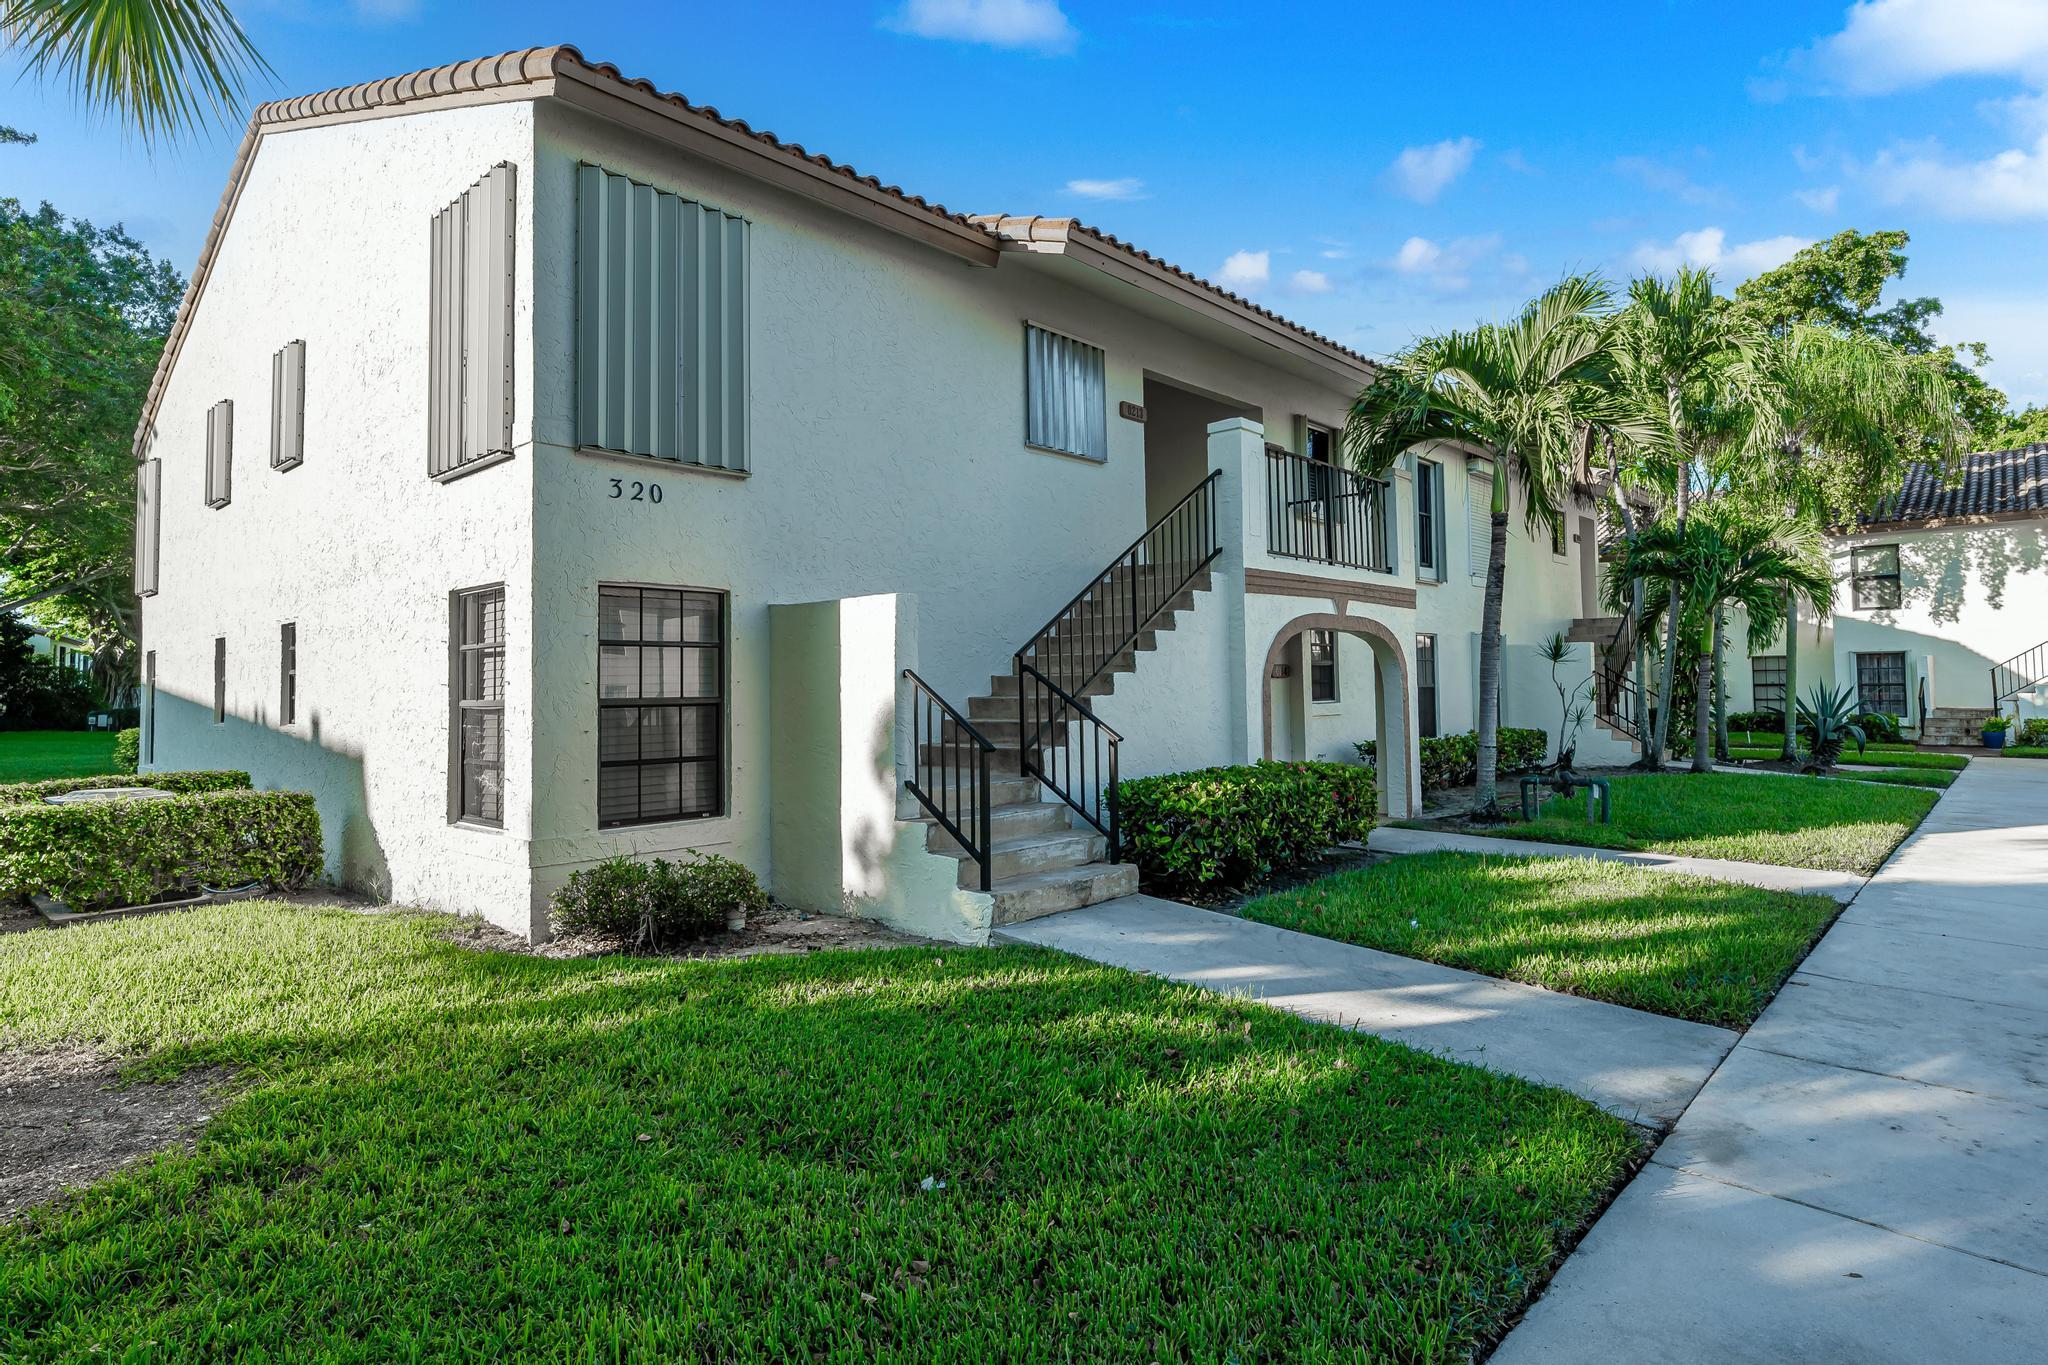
1757 818
1897 777
1684 946
921 1154
31 755
1874 757
2027 751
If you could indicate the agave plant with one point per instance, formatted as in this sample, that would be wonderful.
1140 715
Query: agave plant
1828 718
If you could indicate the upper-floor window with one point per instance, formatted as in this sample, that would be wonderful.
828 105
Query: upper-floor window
661 324
220 453
149 492
288 406
1874 572
1429 519
1560 544
1066 395
469 321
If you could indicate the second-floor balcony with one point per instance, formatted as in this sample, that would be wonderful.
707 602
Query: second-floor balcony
1326 514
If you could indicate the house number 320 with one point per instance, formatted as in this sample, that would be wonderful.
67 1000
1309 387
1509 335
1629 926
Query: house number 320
636 491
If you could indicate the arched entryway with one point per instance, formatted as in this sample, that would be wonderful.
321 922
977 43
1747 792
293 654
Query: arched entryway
1392 724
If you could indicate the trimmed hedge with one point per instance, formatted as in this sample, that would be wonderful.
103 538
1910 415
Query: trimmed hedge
2033 730
1453 760
1235 826
656 904
185 784
100 854
1757 722
128 750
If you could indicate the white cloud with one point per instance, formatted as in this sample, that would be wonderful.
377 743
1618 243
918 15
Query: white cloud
1308 282
1246 271
1513 159
1448 265
1710 247
1036 25
2011 185
1422 173
1822 200
1655 175
1891 45
1129 187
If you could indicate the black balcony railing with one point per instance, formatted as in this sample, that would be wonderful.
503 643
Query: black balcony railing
1326 514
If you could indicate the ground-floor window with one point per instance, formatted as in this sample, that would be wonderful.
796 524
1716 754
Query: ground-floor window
661 688
287 673
1322 665
479 665
149 701
1425 686
1767 683
220 680
1881 683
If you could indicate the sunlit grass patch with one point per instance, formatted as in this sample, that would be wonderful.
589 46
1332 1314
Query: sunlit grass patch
35 755
1678 945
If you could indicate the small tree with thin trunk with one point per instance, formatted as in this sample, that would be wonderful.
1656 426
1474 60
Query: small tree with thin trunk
1519 392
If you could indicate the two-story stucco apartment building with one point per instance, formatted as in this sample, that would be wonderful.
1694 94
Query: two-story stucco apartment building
544 468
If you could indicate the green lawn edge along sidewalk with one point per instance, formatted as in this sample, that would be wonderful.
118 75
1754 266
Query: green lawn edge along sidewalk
1789 821
431 1151
1714 952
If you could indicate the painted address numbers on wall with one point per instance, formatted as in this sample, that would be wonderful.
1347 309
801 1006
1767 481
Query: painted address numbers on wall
632 490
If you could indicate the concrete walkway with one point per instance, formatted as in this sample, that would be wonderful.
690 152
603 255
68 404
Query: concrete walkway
1866 1177
1842 886
1643 1067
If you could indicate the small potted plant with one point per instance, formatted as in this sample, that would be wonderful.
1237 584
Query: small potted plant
1994 731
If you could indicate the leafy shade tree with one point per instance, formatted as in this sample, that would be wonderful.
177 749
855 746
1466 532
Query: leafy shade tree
1522 390
1725 555
160 66
83 316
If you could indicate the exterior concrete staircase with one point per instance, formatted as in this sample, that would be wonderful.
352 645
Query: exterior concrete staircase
1613 699
1953 726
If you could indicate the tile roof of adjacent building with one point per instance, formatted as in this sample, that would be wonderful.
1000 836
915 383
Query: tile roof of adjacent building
542 66
1991 483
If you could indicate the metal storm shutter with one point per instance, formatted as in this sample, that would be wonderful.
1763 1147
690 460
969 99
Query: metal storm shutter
288 406
661 324
1065 394
220 453
1478 522
469 347
149 484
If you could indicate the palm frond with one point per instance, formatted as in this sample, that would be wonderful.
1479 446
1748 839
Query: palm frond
162 66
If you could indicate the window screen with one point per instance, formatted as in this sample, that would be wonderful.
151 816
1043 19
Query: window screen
480 705
1065 394
661 704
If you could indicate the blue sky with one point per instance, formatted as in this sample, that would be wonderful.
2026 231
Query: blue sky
1370 170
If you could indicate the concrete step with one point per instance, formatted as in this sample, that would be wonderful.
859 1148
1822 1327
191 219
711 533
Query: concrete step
1002 729
1002 691
1004 789
1047 893
1969 713
1002 761
1018 820
1031 855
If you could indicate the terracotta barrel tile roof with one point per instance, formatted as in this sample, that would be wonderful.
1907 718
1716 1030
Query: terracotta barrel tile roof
1999 483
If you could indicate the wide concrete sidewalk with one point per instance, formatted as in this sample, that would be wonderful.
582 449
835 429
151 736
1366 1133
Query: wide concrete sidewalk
1842 886
1866 1177
1643 1067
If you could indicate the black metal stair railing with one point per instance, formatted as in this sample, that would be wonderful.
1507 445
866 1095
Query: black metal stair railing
1614 693
1061 741
2023 672
949 772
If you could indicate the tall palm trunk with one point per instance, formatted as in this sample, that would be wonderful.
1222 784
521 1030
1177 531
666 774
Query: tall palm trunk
1639 669
1789 751
1669 683
1720 685
1485 796
1703 697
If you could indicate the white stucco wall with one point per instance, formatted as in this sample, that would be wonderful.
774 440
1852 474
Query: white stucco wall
329 244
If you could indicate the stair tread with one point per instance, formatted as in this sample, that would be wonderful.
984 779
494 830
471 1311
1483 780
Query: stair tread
1059 876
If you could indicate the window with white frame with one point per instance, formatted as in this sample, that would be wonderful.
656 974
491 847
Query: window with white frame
478 638
1767 682
1429 519
1322 665
661 704
1874 575
1066 395
661 324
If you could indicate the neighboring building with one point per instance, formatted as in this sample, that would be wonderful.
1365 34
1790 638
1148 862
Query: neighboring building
544 468
1941 604
67 653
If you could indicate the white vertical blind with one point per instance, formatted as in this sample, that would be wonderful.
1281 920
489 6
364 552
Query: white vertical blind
661 324
1065 394
220 453
469 349
149 486
288 406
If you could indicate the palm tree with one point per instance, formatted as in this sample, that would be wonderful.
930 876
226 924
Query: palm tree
161 66
1725 555
1520 391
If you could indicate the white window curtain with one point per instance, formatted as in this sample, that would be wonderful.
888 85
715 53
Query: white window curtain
1065 395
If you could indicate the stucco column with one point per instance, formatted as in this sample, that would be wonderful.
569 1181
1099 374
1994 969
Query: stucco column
1237 449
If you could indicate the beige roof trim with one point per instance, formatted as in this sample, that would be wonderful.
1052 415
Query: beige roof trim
1072 238
561 71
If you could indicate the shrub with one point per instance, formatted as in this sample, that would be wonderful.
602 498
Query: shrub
1758 722
100 854
656 904
1237 825
2034 730
1879 727
1453 760
184 783
127 751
